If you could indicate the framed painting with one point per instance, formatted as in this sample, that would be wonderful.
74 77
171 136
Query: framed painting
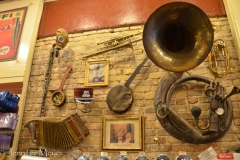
96 73
123 133
11 25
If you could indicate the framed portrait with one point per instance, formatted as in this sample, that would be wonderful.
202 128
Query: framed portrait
11 25
123 133
96 73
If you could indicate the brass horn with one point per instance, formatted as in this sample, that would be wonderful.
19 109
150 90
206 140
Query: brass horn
219 48
177 37
115 43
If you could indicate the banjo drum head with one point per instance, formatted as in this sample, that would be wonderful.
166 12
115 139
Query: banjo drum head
119 99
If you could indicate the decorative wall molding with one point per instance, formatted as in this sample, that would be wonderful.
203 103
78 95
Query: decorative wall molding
18 71
233 12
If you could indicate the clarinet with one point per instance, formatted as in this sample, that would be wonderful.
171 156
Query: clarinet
47 78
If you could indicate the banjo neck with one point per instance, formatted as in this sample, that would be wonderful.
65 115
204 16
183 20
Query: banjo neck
65 77
130 79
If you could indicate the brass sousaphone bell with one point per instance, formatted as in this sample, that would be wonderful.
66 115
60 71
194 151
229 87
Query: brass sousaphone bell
177 37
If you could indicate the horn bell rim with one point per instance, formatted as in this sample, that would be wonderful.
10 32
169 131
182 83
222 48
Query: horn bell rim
198 29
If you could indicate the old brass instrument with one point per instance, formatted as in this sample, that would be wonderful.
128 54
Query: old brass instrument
61 42
115 43
219 48
218 124
57 133
177 37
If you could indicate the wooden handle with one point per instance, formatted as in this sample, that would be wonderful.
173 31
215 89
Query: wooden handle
64 78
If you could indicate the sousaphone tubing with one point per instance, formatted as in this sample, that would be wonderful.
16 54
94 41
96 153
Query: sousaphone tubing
177 37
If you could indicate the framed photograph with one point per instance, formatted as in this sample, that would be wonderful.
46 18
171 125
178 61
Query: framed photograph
11 25
96 73
123 133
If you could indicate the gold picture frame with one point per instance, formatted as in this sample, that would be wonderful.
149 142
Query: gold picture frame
97 72
123 133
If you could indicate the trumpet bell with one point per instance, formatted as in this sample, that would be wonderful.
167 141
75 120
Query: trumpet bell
178 36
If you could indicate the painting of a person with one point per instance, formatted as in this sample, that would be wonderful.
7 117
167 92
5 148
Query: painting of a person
122 133
120 136
96 73
129 137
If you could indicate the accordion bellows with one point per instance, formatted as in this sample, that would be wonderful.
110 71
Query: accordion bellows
60 134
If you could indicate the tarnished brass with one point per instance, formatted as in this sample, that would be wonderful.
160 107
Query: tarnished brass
178 36
179 127
157 140
219 48
115 43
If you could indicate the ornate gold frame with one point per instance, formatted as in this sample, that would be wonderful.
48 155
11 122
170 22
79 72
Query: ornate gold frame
112 126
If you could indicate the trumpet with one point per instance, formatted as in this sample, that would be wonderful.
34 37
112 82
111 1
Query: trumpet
218 48
116 43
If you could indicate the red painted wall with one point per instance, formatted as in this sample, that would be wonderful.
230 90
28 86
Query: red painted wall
82 15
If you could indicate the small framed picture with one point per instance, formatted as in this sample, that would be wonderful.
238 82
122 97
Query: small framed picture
122 133
96 73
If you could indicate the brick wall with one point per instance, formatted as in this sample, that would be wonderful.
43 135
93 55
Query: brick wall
122 63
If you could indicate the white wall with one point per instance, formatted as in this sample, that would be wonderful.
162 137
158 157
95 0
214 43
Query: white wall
233 14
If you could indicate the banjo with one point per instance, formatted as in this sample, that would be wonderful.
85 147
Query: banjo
120 98
58 97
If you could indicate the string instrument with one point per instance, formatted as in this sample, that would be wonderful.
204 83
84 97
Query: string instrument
58 97
120 98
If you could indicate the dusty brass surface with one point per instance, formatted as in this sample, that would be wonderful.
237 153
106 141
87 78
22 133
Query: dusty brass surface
219 48
178 36
115 43
177 126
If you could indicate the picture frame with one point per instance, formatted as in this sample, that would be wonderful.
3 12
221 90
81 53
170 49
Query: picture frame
123 133
11 26
97 72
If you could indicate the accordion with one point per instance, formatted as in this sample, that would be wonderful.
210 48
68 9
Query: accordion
58 134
